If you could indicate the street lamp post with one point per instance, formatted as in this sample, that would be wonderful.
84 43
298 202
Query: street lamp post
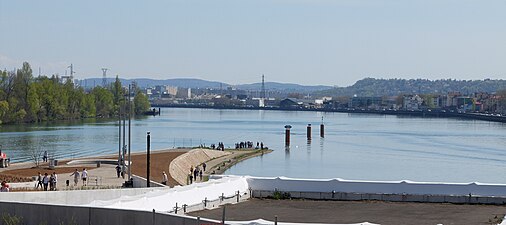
129 136
148 157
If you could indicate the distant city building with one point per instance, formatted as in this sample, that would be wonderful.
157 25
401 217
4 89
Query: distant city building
412 102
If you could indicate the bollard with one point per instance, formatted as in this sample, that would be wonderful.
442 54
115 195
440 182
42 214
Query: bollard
205 202
198 220
287 135
238 196
276 220
176 208
184 208
222 197
223 216
309 132
153 217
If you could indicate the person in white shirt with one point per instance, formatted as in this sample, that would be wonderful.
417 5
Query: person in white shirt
84 176
164 178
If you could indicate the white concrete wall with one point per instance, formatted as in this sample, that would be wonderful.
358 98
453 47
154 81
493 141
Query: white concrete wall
141 182
375 187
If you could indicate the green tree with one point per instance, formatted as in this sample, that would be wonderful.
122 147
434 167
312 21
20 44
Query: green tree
88 108
4 108
103 102
141 103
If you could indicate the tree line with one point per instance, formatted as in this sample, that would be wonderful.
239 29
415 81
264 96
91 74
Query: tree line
26 99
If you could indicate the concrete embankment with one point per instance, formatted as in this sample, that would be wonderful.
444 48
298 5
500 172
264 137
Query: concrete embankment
179 168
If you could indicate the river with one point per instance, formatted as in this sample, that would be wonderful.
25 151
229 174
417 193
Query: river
356 146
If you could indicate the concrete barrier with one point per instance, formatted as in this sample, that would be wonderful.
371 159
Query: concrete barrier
78 197
179 168
141 182
36 214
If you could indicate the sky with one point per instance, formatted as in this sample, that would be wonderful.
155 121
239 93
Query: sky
310 42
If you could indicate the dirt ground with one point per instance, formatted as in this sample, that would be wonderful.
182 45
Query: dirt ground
359 211
159 162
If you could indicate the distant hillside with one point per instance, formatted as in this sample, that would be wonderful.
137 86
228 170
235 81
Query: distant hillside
394 87
145 82
198 83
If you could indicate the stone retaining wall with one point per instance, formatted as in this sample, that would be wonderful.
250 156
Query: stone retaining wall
179 168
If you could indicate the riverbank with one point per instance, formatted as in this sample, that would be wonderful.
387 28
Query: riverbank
400 113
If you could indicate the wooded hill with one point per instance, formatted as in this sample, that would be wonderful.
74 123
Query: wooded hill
393 87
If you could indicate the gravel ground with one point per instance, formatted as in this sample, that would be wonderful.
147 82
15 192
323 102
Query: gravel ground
359 211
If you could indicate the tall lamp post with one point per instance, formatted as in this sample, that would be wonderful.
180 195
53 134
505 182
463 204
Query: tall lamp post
129 136
148 157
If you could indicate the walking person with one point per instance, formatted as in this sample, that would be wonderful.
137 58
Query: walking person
118 170
191 178
204 166
51 182
45 181
39 181
55 181
44 158
84 177
200 175
76 177
164 178
195 174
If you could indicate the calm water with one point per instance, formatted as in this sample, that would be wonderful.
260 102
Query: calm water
369 147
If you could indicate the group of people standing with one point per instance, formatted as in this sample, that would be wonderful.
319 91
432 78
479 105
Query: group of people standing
47 181
220 146
197 172
249 144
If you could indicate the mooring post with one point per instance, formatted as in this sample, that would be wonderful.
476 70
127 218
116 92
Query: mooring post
322 129
287 135
309 132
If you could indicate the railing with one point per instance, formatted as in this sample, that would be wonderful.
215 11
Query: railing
211 204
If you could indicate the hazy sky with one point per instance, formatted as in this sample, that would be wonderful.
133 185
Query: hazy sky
331 42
